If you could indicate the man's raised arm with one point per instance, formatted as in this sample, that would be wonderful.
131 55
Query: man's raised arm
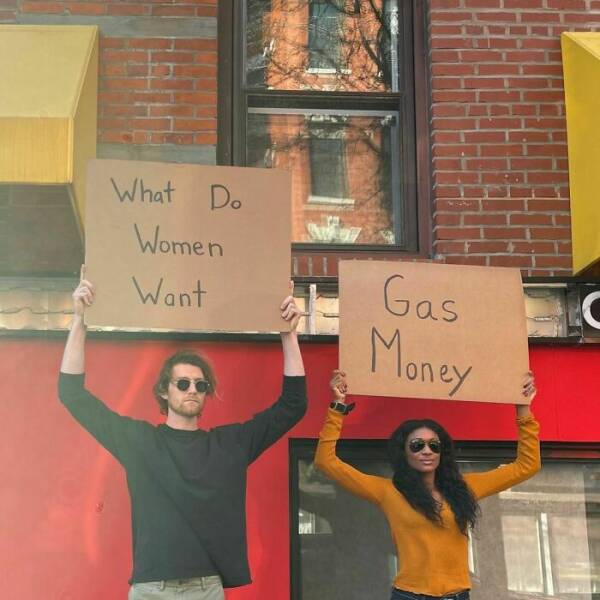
73 361
292 358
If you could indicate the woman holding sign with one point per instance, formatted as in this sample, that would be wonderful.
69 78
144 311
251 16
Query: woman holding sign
429 505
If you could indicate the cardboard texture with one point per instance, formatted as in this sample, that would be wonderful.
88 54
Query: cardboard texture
421 330
187 247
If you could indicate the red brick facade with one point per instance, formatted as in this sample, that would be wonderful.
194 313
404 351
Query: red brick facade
497 128
158 91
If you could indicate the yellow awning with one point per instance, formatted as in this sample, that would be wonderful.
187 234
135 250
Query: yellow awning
48 105
581 66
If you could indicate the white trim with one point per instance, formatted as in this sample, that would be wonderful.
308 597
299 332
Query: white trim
329 200
320 71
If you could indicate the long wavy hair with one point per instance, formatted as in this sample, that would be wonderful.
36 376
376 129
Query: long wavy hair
448 479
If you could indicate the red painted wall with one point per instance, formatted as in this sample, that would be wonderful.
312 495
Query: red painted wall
64 509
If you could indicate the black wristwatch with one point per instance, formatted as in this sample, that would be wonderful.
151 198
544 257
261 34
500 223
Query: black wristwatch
341 407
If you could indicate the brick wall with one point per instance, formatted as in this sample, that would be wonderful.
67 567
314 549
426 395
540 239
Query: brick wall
498 136
498 130
158 91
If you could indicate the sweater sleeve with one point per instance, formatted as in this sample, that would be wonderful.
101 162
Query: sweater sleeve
266 427
110 429
369 487
526 465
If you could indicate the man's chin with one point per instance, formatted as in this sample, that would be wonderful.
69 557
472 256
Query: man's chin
189 410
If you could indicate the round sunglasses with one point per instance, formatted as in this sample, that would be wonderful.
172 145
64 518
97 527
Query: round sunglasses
417 444
183 384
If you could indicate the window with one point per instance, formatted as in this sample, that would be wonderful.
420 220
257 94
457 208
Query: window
325 35
328 175
326 89
539 539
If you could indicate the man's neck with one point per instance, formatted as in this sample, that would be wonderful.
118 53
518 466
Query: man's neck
180 422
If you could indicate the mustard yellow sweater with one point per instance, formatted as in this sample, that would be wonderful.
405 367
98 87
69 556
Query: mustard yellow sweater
432 558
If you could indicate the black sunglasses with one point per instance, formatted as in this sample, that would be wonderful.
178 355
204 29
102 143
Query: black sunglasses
183 384
418 444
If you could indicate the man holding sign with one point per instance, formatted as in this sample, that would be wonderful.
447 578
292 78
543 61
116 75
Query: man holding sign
187 485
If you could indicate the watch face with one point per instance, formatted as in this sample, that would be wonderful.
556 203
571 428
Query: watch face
340 407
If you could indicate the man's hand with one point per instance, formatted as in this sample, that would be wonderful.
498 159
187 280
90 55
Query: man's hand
73 361
290 311
529 391
292 358
83 296
338 385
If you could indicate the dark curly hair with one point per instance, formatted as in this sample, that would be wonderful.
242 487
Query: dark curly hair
183 357
448 479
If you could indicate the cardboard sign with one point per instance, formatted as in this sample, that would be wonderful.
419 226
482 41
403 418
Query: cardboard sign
424 330
187 247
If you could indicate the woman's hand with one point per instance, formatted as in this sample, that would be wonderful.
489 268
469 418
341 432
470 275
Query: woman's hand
338 385
529 391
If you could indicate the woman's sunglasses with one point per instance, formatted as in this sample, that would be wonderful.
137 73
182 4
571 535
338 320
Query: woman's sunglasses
418 444
183 384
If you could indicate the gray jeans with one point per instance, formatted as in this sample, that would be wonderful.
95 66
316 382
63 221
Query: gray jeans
196 588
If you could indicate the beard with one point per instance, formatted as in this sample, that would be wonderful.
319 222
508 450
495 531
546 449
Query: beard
187 409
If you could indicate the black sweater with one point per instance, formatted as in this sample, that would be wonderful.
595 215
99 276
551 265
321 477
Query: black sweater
187 488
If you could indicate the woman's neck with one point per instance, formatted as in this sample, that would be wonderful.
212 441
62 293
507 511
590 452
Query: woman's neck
429 481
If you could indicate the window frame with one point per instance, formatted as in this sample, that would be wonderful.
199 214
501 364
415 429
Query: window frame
376 449
413 118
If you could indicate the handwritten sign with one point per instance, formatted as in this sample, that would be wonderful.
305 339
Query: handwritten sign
423 330
187 247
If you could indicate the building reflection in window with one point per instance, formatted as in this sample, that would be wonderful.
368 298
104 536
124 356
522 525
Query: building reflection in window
343 190
329 45
540 539
327 92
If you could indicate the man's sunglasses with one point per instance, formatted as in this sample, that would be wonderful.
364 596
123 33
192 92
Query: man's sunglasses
418 444
183 385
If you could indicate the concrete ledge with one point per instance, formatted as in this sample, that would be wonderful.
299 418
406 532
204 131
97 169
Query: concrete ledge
202 155
133 27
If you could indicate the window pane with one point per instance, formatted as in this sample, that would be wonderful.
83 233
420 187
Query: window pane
522 553
539 539
329 45
349 553
342 188
328 177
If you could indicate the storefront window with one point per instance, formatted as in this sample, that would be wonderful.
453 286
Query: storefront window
540 539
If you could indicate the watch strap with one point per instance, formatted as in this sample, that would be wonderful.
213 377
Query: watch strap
341 407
